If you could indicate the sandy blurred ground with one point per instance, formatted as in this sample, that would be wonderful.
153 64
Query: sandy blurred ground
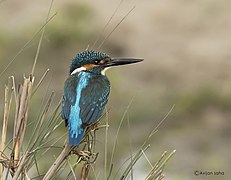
186 46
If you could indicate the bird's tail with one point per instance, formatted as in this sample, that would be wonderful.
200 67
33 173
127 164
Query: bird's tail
75 139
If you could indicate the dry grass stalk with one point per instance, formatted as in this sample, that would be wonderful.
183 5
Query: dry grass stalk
4 126
157 169
86 154
19 167
22 96
58 162
85 171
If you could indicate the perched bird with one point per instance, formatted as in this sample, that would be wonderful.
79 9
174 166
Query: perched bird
86 91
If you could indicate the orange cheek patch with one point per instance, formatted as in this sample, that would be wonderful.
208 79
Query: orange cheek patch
89 66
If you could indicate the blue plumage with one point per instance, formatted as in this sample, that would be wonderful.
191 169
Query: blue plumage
75 122
86 91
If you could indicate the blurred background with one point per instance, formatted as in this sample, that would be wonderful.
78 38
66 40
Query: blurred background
186 46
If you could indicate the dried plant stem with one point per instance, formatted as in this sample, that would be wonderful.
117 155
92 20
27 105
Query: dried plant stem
5 119
20 166
40 40
22 102
108 22
116 27
4 126
156 170
55 166
117 134
85 171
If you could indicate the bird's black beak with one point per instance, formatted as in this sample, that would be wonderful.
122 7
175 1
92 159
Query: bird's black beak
122 61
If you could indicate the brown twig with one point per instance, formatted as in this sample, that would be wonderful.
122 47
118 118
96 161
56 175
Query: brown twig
85 171
20 166
22 103
56 165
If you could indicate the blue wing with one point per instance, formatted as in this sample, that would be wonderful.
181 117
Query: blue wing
84 100
71 109
69 97
93 99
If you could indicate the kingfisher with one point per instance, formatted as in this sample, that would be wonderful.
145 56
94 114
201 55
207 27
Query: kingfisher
86 91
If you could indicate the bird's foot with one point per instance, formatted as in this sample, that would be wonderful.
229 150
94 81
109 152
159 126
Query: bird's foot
86 156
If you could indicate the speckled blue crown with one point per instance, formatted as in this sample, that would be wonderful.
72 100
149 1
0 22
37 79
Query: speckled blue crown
86 57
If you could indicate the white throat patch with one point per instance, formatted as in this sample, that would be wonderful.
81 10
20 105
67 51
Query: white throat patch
103 72
78 70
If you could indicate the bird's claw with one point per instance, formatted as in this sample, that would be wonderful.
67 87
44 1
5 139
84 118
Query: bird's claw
93 157
86 156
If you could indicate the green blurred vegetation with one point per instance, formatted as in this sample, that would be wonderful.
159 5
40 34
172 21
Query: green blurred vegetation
197 101
73 25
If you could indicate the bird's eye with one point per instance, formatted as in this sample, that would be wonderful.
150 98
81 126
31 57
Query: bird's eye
96 61
104 61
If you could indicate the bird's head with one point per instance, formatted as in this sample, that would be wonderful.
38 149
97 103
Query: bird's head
97 62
